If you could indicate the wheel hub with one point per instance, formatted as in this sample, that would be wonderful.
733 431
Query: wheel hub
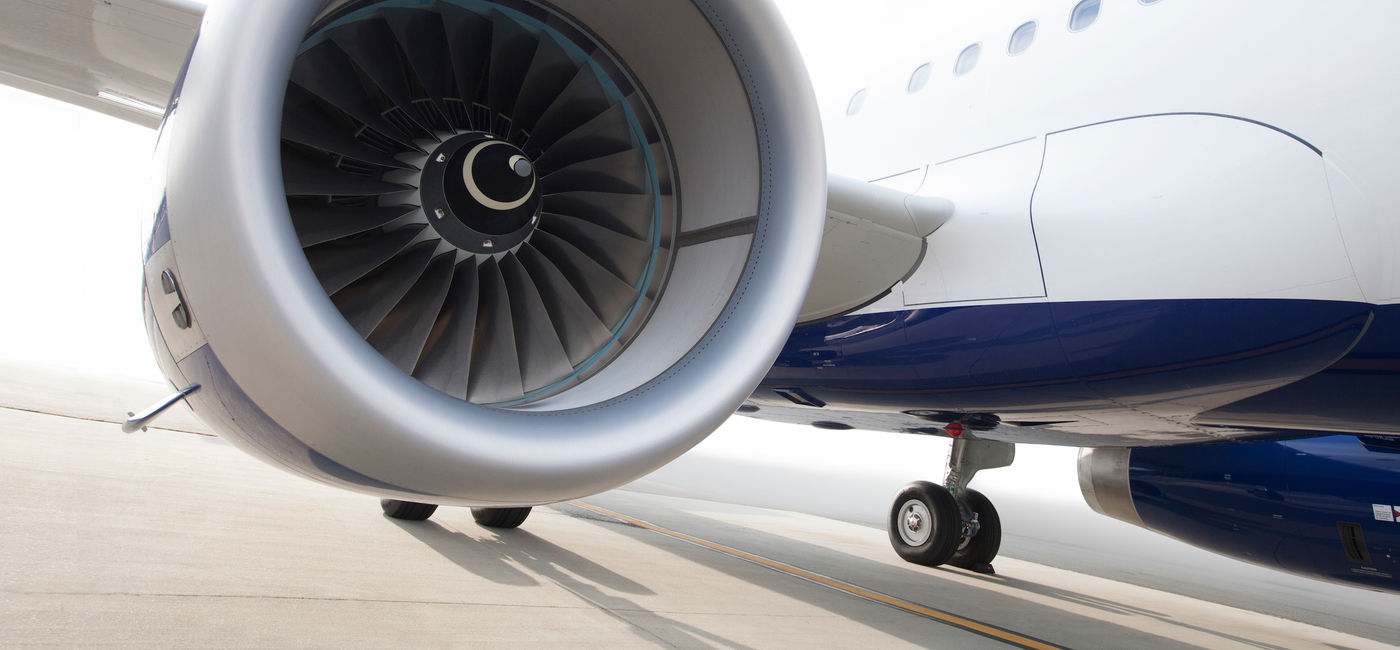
480 193
913 518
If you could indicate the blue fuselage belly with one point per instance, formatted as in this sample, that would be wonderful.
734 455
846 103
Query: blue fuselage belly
1170 358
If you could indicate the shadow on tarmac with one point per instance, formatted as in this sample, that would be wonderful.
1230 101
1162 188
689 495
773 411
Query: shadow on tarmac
918 584
496 558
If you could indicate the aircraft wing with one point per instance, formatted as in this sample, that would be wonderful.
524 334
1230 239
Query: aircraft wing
118 57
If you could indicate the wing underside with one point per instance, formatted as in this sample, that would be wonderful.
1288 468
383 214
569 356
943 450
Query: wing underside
118 57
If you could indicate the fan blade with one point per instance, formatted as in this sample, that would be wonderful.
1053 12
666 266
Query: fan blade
326 72
495 372
606 294
550 70
317 222
422 39
606 134
339 263
371 45
629 214
511 50
469 44
543 360
365 302
582 334
626 257
400 337
306 122
447 356
306 175
580 101
625 172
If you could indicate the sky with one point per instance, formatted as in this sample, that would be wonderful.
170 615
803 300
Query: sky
70 262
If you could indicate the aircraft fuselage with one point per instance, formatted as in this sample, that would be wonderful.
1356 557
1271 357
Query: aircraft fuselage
1173 225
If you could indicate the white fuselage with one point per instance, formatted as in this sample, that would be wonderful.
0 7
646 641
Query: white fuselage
1184 149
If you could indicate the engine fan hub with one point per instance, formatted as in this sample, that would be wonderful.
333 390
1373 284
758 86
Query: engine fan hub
480 193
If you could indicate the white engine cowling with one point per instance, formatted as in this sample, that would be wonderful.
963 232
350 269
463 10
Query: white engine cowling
482 253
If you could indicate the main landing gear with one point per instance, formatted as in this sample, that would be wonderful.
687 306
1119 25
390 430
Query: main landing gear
489 517
932 524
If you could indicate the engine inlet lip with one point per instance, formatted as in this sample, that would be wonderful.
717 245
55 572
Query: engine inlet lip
455 207
308 373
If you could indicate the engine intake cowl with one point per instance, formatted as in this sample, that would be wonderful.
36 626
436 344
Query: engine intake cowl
483 253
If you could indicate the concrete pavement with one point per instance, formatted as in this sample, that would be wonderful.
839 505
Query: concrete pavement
175 539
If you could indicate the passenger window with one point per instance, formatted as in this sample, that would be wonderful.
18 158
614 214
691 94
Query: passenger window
1021 39
1084 15
968 59
857 102
919 79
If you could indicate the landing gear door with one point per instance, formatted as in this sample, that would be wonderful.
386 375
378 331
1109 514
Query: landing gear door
1189 207
987 251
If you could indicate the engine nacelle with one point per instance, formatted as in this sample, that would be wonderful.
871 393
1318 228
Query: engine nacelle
1320 507
496 253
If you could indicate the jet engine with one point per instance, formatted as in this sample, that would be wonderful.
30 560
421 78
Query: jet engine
1321 507
488 253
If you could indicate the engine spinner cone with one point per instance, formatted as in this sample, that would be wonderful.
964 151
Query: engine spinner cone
481 193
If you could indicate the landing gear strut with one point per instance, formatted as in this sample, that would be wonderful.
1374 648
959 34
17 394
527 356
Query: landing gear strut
933 524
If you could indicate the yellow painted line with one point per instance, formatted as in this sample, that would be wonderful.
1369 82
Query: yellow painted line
832 583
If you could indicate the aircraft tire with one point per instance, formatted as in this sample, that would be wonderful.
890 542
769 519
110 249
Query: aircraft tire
500 517
407 510
976 553
924 524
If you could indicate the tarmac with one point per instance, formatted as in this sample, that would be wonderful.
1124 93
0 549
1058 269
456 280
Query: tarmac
174 539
